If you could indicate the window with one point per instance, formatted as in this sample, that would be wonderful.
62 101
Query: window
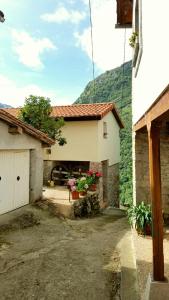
124 13
137 28
48 151
105 130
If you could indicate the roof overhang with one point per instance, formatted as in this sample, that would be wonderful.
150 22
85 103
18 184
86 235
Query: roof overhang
158 111
96 117
124 13
16 126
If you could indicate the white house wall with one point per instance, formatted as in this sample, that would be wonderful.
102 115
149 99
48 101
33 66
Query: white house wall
85 142
82 142
26 142
109 148
153 72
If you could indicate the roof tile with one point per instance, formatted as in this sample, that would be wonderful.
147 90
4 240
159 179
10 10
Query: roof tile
96 110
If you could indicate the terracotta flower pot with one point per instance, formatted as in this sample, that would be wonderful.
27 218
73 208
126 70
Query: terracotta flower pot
83 193
75 195
93 187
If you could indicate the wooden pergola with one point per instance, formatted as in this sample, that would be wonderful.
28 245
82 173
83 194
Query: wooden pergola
152 121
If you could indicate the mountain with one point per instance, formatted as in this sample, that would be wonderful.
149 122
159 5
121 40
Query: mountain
115 86
4 105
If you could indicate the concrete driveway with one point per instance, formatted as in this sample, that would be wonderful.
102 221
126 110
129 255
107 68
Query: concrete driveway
61 259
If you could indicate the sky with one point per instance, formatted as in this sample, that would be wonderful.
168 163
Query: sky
45 48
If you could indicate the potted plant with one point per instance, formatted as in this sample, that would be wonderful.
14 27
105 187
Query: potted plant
82 185
140 216
133 39
51 183
92 179
72 184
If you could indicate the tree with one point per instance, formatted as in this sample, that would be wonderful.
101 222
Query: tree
37 112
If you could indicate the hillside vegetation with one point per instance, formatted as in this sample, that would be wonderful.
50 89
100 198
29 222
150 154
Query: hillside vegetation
115 86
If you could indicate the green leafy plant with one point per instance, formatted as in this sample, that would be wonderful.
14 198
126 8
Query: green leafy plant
37 112
82 184
133 39
140 216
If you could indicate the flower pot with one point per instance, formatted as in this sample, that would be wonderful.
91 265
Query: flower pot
93 187
145 231
148 229
83 193
75 195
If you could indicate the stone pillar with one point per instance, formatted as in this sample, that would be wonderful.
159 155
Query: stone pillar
141 168
48 165
113 185
36 174
164 148
97 166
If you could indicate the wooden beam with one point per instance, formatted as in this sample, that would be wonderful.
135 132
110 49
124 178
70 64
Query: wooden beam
15 130
155 189
156 110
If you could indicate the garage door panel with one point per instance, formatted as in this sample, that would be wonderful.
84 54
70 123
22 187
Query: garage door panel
14 180
6 186
21 178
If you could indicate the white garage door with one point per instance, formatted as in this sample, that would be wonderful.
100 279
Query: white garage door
14 179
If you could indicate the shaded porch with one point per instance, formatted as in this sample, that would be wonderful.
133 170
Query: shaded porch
151 171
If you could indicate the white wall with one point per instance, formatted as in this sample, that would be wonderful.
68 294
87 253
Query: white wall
153 72
85 142
26 142
109 148
82 142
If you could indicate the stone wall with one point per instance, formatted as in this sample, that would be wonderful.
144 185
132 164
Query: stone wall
108 186
97 166
141 168
48 165
113 185
87 206
164 148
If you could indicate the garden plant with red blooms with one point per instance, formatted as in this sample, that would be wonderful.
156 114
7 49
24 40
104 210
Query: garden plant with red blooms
93 177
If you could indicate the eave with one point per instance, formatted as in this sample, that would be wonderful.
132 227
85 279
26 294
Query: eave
159 110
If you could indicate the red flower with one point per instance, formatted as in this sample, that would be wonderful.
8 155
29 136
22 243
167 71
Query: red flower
98 174
90 172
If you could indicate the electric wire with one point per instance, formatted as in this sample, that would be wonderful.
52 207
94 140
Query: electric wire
124 58
92 47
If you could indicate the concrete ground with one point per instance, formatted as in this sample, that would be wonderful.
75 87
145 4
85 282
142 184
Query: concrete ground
57 194
143 250
65 259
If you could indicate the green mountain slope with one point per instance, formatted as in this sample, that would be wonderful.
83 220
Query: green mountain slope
115 86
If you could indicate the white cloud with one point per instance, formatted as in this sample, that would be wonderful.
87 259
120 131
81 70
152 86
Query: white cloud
30 49
14 94
108 41
64 15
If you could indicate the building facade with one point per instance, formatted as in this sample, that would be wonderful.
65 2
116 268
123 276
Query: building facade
21 162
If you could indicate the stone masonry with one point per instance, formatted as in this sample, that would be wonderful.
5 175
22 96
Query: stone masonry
48 165
113 185
141 166
108 184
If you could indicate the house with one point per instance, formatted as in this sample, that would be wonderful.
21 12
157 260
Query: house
93 142
21 162
150 96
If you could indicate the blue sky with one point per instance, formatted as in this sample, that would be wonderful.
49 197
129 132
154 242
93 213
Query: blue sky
46 47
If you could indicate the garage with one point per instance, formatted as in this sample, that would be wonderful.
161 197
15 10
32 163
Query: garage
14 179
21 162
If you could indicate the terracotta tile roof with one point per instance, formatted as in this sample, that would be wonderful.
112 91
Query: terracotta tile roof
11 120
79 111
